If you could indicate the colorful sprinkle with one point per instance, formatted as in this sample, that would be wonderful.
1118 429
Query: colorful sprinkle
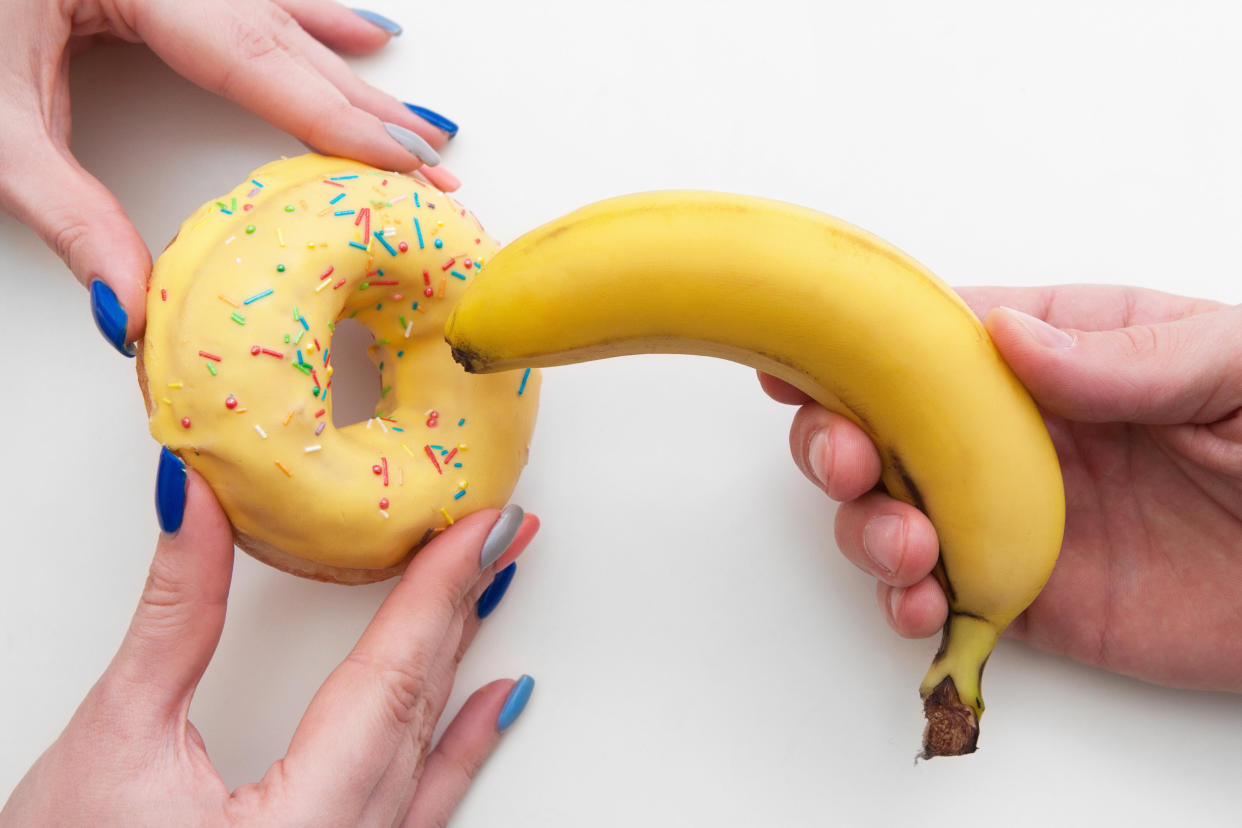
359 246
230 402
313 449
419 230
383 503
342 178
343 213
319 429
379 235
185 422
238 318
265 293
281 466
250 228
525 377
262 433
212 357
431 454
336 198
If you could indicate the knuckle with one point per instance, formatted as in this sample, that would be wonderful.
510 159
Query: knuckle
68 237
163 604
401 688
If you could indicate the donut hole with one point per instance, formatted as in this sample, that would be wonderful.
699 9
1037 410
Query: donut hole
355 379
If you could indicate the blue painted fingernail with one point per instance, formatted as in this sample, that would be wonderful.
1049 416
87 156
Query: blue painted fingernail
496 590
413 143
503 531
110 317
515 703
434 118
170 491
390 26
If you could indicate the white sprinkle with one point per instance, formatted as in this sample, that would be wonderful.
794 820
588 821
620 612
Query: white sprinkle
383 427
385 514
369 423
310 449
323 285
229 240
409 328
262 433
399 198
239 259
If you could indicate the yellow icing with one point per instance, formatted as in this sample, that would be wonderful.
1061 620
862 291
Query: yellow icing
324 504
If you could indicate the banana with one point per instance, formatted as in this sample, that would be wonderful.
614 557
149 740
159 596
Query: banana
855 323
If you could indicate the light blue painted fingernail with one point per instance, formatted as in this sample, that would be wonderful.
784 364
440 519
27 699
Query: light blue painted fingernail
390 26
414 143
434 118
110 317
503 531
515 703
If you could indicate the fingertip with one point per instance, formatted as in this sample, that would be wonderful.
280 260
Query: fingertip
781 391
834 453
917 611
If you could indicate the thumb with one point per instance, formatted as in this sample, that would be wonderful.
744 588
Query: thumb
86 226
180 615
1180 371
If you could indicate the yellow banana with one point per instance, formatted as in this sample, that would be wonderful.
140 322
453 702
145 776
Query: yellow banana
842 315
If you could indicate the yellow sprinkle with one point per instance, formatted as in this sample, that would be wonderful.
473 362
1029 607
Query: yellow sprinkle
462 447
239 411
311 245
228 301
331 370
290 417
323 285
407 449
461 484
167 401
447 516
280 237
174 385
281 466
401 476
443 284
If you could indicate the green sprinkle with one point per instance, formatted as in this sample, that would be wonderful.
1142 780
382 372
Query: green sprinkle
385 392
315 391
381 342
211 368
298 341
286 337
288 208
364 285
238 318
280 268
249 228
303 367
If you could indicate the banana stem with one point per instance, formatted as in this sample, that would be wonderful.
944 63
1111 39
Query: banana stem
952 702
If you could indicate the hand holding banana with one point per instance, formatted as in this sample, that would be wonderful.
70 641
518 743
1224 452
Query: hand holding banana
853 323
1142 395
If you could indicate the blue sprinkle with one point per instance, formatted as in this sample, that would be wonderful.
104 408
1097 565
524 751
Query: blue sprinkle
344 213
380 305
342 177
400 354
458 275
414 306
226 212
416 204
394 428
419 231
256 183
438 448
300 362
439 243
379 234
525 377
258 296
302 319
337 198
459 495
457 465
462 421
359 246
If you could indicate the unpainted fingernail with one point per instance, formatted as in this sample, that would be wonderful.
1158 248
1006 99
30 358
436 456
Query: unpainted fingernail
819 453
894 602
434 118
882 539
515 703
110 317
170 481
495 591
503 531
1043 333
390 26
413 143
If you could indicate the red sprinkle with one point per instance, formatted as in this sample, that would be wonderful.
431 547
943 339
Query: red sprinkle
206 355
383 503
247 207
270 352
452 261
403 246
384 460
386 282
468 263
334 183
185 421
319 413
254 350
426 278
450 456
377 469
327 272
434 461
428 292
230 402
164 294
338 284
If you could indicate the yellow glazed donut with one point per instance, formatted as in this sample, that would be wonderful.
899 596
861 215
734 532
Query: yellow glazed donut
236 367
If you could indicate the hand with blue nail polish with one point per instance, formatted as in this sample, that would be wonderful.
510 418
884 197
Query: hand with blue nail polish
1142 396
277 58
129 756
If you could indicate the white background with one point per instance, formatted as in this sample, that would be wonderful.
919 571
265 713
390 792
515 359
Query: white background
703 654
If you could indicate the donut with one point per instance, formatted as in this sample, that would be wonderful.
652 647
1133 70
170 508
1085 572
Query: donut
236 367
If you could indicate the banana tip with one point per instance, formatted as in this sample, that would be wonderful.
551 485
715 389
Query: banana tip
467 358
952 727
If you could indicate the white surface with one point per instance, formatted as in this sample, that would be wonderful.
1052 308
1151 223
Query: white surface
703 654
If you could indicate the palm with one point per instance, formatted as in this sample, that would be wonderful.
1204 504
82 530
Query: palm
1149 581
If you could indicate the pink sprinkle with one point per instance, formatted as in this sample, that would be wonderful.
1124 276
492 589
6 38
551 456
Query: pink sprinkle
319 430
